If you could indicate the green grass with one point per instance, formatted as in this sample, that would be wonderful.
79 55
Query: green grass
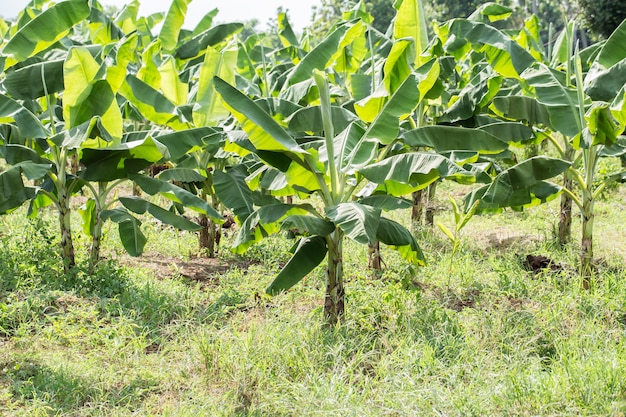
473 335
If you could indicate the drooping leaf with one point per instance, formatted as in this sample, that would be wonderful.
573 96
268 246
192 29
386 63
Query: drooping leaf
310 253
522 176
265 222
399 238
129 228
190 140
505 55
402 174
28 124
234 193
176 194
359 222
118 161
140 206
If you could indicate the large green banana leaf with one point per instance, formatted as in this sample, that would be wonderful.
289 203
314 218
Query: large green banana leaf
108 163
176 194
505 56
28 124
263 131
140 206
449 138
233 191
129 228
173 23
210 37
560 101
607 75
402 174
358 221
46 29
310 252
399 238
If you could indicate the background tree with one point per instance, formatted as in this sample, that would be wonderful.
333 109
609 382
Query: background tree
602 17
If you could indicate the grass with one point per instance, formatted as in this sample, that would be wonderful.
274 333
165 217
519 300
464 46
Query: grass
143 338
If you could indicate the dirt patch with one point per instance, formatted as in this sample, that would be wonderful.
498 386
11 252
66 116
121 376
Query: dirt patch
201 269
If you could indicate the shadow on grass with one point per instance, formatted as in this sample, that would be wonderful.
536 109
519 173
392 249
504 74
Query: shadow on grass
62 391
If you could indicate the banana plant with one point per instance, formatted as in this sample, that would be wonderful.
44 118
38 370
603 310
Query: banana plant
590 114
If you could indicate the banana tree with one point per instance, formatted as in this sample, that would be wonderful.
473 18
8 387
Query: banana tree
590 114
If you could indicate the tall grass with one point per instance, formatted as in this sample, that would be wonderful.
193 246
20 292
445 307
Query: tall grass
486 337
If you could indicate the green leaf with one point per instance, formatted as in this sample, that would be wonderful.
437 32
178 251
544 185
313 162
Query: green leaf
88 214
404 173
140 206
309 119
209 109
265 222
308 224
46 29
176 194
153 105
386 202
506 56
522 108
27 122
26 82
522 176
359 222
560 101
310 253
410 23
173 88
120 160
446 231
263 131
234 193
129 228
399 238
210 37
386 126
173 22
185 175
319 57
449 138
13 193
190 140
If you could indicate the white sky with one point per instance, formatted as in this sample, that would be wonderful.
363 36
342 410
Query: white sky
230 10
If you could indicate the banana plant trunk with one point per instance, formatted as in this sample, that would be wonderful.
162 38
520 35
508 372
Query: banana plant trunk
334 304
67 245
209 234
375 260
586 254
430 207
565 213
417 210
96 243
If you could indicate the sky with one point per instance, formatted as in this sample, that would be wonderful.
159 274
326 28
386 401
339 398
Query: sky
230 10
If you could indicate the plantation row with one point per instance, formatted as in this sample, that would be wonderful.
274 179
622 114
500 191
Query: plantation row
320 137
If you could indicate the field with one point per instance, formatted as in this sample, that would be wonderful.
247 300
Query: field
175 334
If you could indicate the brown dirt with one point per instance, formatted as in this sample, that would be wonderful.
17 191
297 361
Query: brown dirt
201 269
